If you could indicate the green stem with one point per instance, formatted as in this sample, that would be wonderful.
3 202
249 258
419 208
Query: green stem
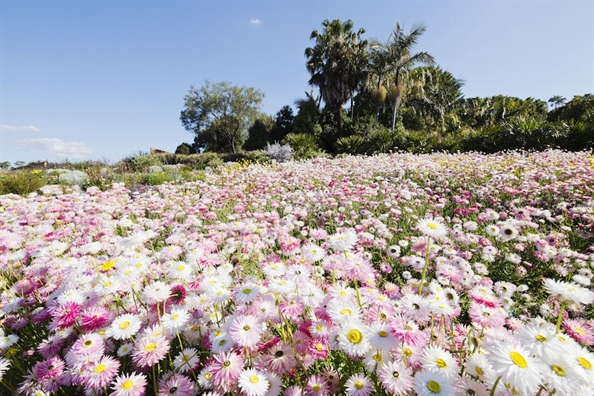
492 393
357 292
560 318
424 272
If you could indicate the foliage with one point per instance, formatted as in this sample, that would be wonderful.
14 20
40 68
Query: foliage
184 148
22 182
283 124
337 63
219 115
394 58
303 145
259 134
308 114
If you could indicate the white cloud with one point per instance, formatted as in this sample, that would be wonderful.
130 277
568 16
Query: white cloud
256 22
10 128
58 147
14 128
30 128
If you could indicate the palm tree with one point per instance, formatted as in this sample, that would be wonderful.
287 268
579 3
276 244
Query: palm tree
395 58
435 94
335 63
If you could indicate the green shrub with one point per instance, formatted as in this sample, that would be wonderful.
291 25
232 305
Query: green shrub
22 183
157 178
304 145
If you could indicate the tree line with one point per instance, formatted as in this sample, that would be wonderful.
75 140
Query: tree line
374 97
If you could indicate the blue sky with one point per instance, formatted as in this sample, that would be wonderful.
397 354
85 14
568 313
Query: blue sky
105 79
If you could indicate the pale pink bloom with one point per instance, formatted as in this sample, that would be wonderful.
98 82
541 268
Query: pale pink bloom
396 377
149 350
246 330
225 369
176 385
579 330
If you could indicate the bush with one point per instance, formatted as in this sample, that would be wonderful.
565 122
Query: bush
304 145
22 183
278 152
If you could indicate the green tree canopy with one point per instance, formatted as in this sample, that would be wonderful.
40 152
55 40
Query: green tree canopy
219 114
337 63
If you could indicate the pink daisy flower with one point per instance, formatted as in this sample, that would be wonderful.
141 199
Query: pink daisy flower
100 373
486 316
51 368
94 318
129 385
316 386
396 377
579 330
246 330
226 368
280 359
88 347
176 385
149 350
65 315
50 346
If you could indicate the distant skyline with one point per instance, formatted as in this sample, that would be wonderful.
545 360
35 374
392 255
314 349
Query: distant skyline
101 80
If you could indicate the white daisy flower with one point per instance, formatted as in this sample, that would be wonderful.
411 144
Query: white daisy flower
432 228
428 383
124 326
253 382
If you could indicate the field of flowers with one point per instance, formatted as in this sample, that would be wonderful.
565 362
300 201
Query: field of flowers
395 274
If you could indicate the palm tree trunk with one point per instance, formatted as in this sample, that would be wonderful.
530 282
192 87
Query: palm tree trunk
397 100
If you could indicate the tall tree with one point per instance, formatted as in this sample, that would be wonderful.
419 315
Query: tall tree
434 94
335 63
283 124
308 114
219 114
395 57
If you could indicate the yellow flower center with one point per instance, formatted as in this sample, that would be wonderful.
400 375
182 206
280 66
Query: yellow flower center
433 226
433 387
319 347
127 385
174 316
185 358
518 359
246 327
358 384
151 347
101 368
124 325
180 268
382 333
479 371
355 336
254 379
558 370
247 291
541 338
579 330
317 387
585 363
441 363
346 311
408 352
